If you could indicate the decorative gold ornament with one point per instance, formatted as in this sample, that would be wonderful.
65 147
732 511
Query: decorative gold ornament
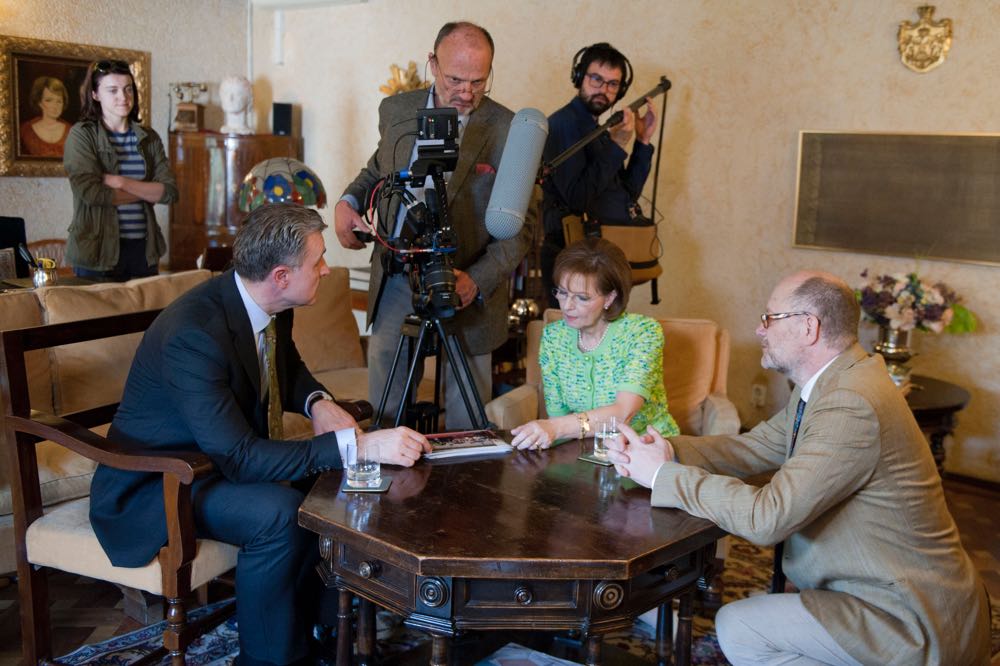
923 45
403 81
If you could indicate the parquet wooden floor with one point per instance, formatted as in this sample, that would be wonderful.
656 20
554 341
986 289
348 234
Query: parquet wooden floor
86 611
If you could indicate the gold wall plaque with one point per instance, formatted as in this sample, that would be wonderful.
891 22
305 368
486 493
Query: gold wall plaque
924 45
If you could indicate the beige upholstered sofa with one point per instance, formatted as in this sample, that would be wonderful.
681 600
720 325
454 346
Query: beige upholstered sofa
695 364
77 377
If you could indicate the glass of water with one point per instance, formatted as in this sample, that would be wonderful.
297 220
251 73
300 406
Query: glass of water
363 469
606 429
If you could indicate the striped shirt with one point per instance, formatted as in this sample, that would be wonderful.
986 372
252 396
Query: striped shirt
131 217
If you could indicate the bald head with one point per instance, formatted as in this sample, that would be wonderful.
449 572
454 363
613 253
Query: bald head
831 300
465 33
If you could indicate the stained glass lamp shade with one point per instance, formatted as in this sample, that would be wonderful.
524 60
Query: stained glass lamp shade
281 180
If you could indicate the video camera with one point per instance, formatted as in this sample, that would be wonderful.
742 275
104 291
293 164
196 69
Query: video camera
424 243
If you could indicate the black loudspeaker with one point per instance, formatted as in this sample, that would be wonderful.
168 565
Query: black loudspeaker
12 234
281 118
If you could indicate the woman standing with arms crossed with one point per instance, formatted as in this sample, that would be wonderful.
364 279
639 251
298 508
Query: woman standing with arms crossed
117 170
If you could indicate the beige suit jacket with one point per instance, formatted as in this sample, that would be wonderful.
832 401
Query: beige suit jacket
868 537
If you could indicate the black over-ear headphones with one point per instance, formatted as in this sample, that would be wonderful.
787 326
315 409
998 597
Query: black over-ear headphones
603 52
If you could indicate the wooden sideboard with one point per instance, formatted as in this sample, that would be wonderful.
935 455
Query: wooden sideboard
209 168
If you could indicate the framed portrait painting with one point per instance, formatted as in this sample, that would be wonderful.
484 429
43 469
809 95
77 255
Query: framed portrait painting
40 98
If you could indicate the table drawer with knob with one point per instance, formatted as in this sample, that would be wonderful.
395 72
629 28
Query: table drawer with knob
361 569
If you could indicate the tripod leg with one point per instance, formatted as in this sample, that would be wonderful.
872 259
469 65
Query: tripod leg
417 354
388 383
462 374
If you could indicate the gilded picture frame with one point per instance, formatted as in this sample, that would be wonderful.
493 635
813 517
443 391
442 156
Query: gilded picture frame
23 62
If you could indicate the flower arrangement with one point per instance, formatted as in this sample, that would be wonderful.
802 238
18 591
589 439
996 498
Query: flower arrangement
905 302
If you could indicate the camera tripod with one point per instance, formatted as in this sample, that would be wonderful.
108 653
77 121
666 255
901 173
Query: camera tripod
427 336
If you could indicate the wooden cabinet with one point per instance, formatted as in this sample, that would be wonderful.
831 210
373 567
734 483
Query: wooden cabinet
209 168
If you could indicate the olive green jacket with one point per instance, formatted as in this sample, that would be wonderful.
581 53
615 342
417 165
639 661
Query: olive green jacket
93 235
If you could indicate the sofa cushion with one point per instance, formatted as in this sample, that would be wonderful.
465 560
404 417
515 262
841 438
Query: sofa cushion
20 309
89 374
64 539
326 333
62 474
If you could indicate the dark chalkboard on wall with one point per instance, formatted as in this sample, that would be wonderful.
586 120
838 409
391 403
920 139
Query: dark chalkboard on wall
930 196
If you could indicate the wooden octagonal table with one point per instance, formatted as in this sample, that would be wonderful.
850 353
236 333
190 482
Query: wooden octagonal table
533 540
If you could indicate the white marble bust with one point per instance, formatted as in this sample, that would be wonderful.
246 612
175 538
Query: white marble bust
235 93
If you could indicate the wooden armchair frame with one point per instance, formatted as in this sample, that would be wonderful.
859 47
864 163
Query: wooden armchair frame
23 427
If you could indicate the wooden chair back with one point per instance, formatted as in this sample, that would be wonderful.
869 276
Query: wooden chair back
24 427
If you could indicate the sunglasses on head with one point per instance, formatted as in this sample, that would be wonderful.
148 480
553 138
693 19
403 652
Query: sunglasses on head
111 66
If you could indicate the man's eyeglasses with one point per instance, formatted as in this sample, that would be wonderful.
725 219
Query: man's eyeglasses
563 295
477 85
116 66
767 318
599 82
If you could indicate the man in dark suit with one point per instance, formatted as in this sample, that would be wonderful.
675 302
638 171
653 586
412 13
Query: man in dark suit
461 63
855 504
199 383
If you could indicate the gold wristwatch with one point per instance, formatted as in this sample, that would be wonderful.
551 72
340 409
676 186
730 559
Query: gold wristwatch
584 421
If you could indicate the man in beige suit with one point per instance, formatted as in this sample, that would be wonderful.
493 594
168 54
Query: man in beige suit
869 544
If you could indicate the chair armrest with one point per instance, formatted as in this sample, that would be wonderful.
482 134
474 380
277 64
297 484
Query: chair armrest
514 408
361 410
719 416
185 465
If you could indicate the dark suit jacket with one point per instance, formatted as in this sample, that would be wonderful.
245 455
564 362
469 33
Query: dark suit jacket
195 386
489 262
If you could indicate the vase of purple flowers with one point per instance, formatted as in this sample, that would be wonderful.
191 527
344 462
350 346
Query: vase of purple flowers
902 302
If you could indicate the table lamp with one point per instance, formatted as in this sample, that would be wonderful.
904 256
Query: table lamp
280 180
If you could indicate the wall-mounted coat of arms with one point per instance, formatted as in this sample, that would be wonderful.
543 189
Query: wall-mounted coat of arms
923 45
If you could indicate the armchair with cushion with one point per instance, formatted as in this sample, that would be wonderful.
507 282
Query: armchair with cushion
61 536
695 364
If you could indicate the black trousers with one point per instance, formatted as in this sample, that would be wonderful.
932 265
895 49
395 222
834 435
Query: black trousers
277 588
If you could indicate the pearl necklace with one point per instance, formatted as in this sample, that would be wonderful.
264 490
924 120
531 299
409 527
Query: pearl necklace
585 349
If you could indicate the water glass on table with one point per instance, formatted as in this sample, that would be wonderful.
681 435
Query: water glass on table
606 429
363 469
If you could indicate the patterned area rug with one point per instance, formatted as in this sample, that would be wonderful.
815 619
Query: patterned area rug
747 573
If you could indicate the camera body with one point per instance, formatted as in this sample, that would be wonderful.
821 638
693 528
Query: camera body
426 250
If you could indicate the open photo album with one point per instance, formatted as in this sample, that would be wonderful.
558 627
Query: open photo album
466 443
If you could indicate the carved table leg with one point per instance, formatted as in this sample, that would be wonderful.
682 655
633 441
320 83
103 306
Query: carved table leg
440 650
593 656
366 633
665 633
937 446
344 630
684 616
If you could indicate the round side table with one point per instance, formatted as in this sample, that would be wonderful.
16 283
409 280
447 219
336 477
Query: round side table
934 403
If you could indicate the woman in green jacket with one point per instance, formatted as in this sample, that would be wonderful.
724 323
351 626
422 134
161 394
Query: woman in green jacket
117 170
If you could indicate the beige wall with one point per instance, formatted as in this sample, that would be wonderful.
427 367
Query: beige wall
747 76
189 40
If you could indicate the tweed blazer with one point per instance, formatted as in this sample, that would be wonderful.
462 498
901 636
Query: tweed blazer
860 506
488 261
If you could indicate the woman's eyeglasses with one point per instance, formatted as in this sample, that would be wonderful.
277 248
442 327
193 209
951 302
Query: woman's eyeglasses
564 296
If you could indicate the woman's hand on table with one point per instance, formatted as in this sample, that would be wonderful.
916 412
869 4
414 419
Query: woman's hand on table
537 434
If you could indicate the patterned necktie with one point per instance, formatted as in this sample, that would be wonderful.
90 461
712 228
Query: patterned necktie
274 428
778 580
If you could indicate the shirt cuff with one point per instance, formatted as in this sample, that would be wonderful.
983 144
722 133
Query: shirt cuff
352 200
345 437
659 469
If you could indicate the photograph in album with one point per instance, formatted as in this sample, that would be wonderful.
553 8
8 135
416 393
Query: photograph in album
466 443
